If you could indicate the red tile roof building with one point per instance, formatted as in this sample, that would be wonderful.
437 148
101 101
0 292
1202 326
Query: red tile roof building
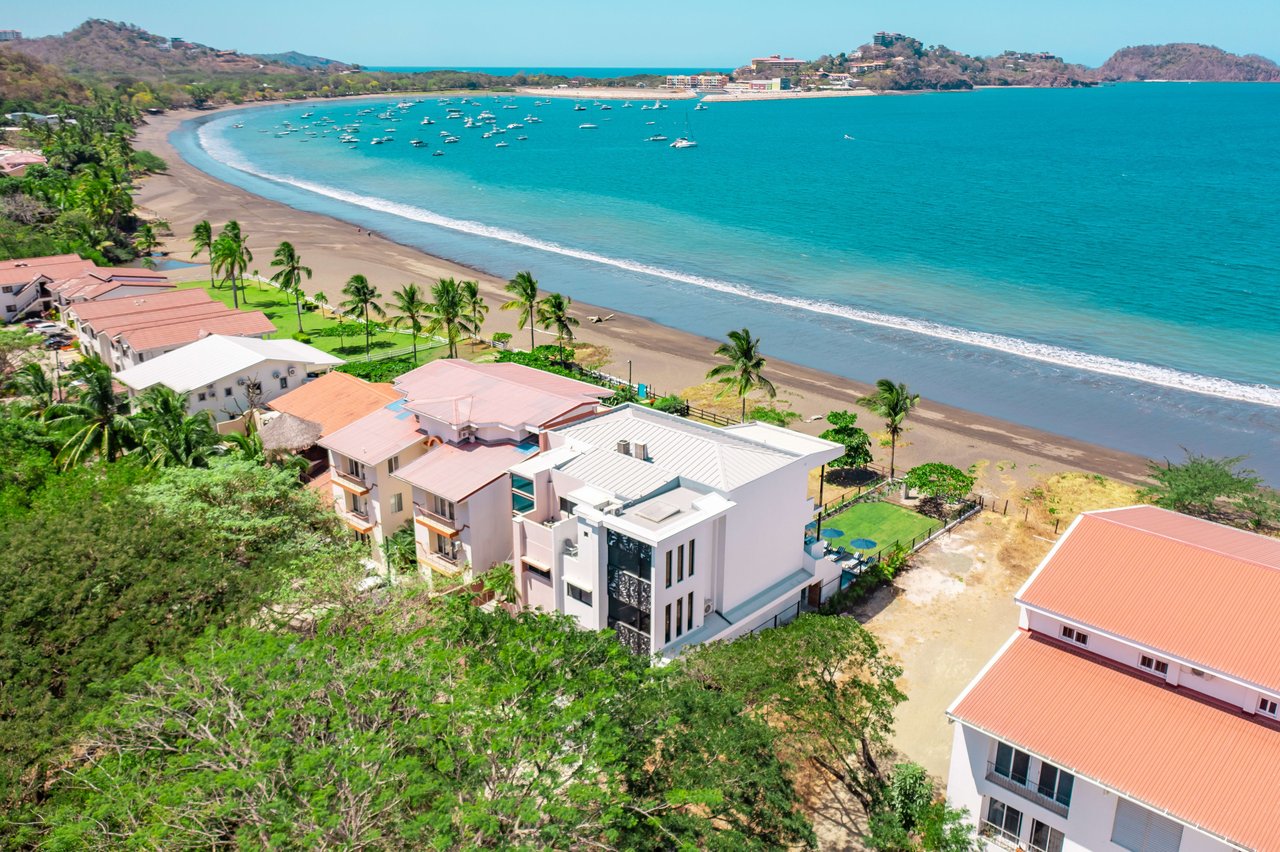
1136 707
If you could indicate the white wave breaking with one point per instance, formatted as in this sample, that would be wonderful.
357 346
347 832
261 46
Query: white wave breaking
1259 394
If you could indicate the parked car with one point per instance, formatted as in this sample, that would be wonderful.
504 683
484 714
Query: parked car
47 327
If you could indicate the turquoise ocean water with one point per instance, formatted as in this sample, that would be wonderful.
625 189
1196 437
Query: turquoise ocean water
1101 263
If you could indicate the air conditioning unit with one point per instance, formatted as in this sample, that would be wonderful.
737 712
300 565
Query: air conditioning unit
240 381
293 370
275 374
707 606
209 386
467 433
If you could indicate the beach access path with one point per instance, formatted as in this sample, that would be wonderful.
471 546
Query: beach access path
661 357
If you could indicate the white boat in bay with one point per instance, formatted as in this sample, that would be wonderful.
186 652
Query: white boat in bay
588 126
684 142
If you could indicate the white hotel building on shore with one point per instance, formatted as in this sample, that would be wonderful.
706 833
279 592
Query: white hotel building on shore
1136 706
668 531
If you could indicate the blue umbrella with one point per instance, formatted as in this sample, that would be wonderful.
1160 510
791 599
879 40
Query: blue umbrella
830 533
862 543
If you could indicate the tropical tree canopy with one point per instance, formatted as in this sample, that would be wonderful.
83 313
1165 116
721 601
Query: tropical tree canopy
94 417
169 437
362 299
893 402
744 371
857 443
411 309
553 315
447 313
524 291
289 278
939 480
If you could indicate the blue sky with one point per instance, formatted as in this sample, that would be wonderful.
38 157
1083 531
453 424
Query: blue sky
714 33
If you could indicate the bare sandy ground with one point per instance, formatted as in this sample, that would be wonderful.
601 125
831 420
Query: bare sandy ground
662 357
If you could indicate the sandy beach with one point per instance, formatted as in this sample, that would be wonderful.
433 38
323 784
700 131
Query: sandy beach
608 93
662 357
788 95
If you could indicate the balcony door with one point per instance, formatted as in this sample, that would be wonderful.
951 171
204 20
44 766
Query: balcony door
1012 764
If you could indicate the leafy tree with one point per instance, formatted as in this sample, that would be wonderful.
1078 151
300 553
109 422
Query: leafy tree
744 371
17 347
94 417
893 402
411 309
1201 485
912 816
448 313
33 383
857 443
825 686
362 298
473 305
27 450
289 278
231 257
524 288
553 314
939 483
168 436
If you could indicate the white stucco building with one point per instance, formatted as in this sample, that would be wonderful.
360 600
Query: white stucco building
1136 706
666 530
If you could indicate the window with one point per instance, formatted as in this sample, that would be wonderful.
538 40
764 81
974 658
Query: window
441 507
201 396
1005 821
522 495
1266 705
284 382
1077 636
1140 830
690 557
1044 838
679 616
225 391
354 468
690 611
393 464
1011 763
680 564
1082 638
529 568
668 569
397 502
1153 665
567 506
580 595
667 631
1056 784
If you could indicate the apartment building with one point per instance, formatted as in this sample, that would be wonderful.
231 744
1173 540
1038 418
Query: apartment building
437 458
777 64
666 530
25 282
697 81
1136 706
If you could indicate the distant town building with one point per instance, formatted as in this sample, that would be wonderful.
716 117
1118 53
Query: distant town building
697 81
775 84
14 162
866 67
883 39
776 64
10 35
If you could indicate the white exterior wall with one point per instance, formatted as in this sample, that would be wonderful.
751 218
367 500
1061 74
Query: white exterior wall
764 539
706 567
486 520
18 298
227 407
1087 826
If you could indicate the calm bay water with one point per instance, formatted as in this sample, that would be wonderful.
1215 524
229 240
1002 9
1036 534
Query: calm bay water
1102 263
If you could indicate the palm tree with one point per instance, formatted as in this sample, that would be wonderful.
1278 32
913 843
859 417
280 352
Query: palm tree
473 305
411 309
231 256
553 314
319 299
448 313
168 436
32 382
525 290
289 278
95 416
202 240
362 298
743 372
145 242
893 403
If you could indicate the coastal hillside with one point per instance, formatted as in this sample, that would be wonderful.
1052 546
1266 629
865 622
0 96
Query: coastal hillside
305 61
101 49
1188 62
29 85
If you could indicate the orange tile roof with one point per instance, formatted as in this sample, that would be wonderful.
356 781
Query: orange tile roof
376 437
1172 583
1201 762
335 400
56 267
229 322
165 299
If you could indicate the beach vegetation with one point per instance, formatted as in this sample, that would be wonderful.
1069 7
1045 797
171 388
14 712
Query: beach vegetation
671 404
362 299
410 310
940 484
524 291
1219 489
230 257
501 338
474 306
844 430
145 242
744 370
774 415
289 277
202 241
447 313
893 402
553 315
383 369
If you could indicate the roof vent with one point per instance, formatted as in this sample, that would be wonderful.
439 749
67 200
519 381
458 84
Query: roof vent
624 447
640 451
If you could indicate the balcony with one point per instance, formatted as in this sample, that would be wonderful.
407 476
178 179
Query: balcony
358 521
433 521
635 641
627 588
1027 789
350 482
999 836
448 565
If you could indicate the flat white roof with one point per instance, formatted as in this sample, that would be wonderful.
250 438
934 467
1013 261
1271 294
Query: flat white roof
217 357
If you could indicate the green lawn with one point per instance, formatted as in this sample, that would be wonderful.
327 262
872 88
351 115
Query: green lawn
883 523
280 310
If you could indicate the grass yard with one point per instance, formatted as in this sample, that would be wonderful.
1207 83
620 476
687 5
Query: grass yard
883 523
280 310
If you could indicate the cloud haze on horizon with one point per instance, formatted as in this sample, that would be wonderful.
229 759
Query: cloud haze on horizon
578 33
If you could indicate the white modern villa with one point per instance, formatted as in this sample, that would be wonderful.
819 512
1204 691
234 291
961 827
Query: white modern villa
1136 706
670 532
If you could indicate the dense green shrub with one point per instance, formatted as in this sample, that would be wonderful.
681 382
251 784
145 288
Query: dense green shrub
385 370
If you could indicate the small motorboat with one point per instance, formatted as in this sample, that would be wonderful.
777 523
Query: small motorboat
684 142
502 144
588 126
437 153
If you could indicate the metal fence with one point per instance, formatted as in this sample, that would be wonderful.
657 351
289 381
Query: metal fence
864 492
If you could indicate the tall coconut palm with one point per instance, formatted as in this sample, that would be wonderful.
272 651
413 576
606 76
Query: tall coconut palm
447 313
231 257
168 436
289 278
474 305
95 416
525 289
362 298
893 402
553 315
145 242
411 309
202 241
33 383
743 372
